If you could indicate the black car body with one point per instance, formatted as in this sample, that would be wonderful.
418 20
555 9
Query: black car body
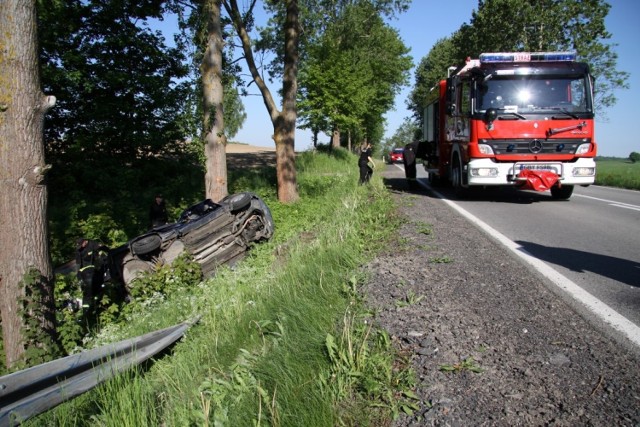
212 233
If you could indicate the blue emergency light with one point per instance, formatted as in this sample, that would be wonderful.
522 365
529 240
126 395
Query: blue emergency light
527 57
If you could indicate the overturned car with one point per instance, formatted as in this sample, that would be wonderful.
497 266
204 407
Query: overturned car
212 233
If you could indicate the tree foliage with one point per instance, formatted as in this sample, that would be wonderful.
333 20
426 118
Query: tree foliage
116 81
407 132
634 157
352 73
429 72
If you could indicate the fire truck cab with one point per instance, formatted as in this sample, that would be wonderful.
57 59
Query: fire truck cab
517 119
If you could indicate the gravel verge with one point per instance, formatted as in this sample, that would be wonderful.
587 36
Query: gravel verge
447 293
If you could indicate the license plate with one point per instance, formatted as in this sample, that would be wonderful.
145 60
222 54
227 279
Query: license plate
540 167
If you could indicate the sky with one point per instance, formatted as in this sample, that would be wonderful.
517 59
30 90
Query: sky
428 21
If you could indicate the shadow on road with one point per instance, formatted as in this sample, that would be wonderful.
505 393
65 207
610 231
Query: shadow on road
402 185
621 270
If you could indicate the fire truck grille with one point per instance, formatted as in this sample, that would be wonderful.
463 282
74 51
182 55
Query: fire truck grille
534 146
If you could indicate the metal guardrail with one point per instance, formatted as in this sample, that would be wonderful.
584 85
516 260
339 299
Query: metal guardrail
32 391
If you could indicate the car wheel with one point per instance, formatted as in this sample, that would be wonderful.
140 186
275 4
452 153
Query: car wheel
146 244
237 202
133 269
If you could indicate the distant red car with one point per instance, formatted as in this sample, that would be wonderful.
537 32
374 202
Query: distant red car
396 155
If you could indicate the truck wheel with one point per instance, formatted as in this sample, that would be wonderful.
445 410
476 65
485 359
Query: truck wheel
563 192
237 202
456 179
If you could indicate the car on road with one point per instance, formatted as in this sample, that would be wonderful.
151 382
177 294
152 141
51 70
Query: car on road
212 233
396 155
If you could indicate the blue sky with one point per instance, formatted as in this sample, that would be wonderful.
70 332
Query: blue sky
427 21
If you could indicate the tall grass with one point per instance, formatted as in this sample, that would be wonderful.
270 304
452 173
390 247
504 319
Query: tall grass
283 339
621 173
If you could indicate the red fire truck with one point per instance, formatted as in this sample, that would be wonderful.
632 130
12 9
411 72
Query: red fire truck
517 119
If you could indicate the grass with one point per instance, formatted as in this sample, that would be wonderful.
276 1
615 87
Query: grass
284 339
621 173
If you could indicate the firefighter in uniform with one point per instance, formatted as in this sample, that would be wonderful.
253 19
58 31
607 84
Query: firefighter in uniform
90 259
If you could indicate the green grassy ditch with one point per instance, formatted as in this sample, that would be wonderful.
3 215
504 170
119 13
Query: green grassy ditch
284 338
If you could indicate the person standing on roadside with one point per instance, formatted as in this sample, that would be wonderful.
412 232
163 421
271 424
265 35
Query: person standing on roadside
158 212
409 160
363 162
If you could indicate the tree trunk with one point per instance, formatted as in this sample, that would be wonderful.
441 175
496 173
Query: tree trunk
284 123
335 137
215 141
285 127
23 193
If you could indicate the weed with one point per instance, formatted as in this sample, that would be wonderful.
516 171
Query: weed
467 364
424 228
410 299
441 260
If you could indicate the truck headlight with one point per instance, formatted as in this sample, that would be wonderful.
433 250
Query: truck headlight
484 172
583 149
584 171
485 149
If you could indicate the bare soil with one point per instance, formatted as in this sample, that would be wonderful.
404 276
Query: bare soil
241 156
455 302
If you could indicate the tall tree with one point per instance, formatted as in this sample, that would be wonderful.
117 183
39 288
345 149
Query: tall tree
214 138
284 120
216 78
23 193
352 72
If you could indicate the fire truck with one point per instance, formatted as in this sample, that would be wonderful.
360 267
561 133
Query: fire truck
512 119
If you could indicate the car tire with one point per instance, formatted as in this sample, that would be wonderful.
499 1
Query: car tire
146 244
237 202
134 268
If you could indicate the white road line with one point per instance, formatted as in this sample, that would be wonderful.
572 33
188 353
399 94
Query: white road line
611 202
601 310
618 205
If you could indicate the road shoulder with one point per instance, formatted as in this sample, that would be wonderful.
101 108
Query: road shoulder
454 300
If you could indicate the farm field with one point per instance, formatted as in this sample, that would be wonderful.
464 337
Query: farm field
618 172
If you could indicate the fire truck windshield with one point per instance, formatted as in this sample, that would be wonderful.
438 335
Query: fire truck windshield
525 94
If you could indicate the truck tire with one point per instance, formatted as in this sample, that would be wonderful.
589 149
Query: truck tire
456 179
563 192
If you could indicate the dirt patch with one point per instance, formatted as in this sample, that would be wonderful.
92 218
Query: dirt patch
241 156
245 148
457 302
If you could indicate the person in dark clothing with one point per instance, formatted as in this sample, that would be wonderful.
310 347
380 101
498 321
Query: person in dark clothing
409 160
363 163
158 212
90 261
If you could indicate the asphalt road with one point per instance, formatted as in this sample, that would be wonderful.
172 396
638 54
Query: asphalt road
593 239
